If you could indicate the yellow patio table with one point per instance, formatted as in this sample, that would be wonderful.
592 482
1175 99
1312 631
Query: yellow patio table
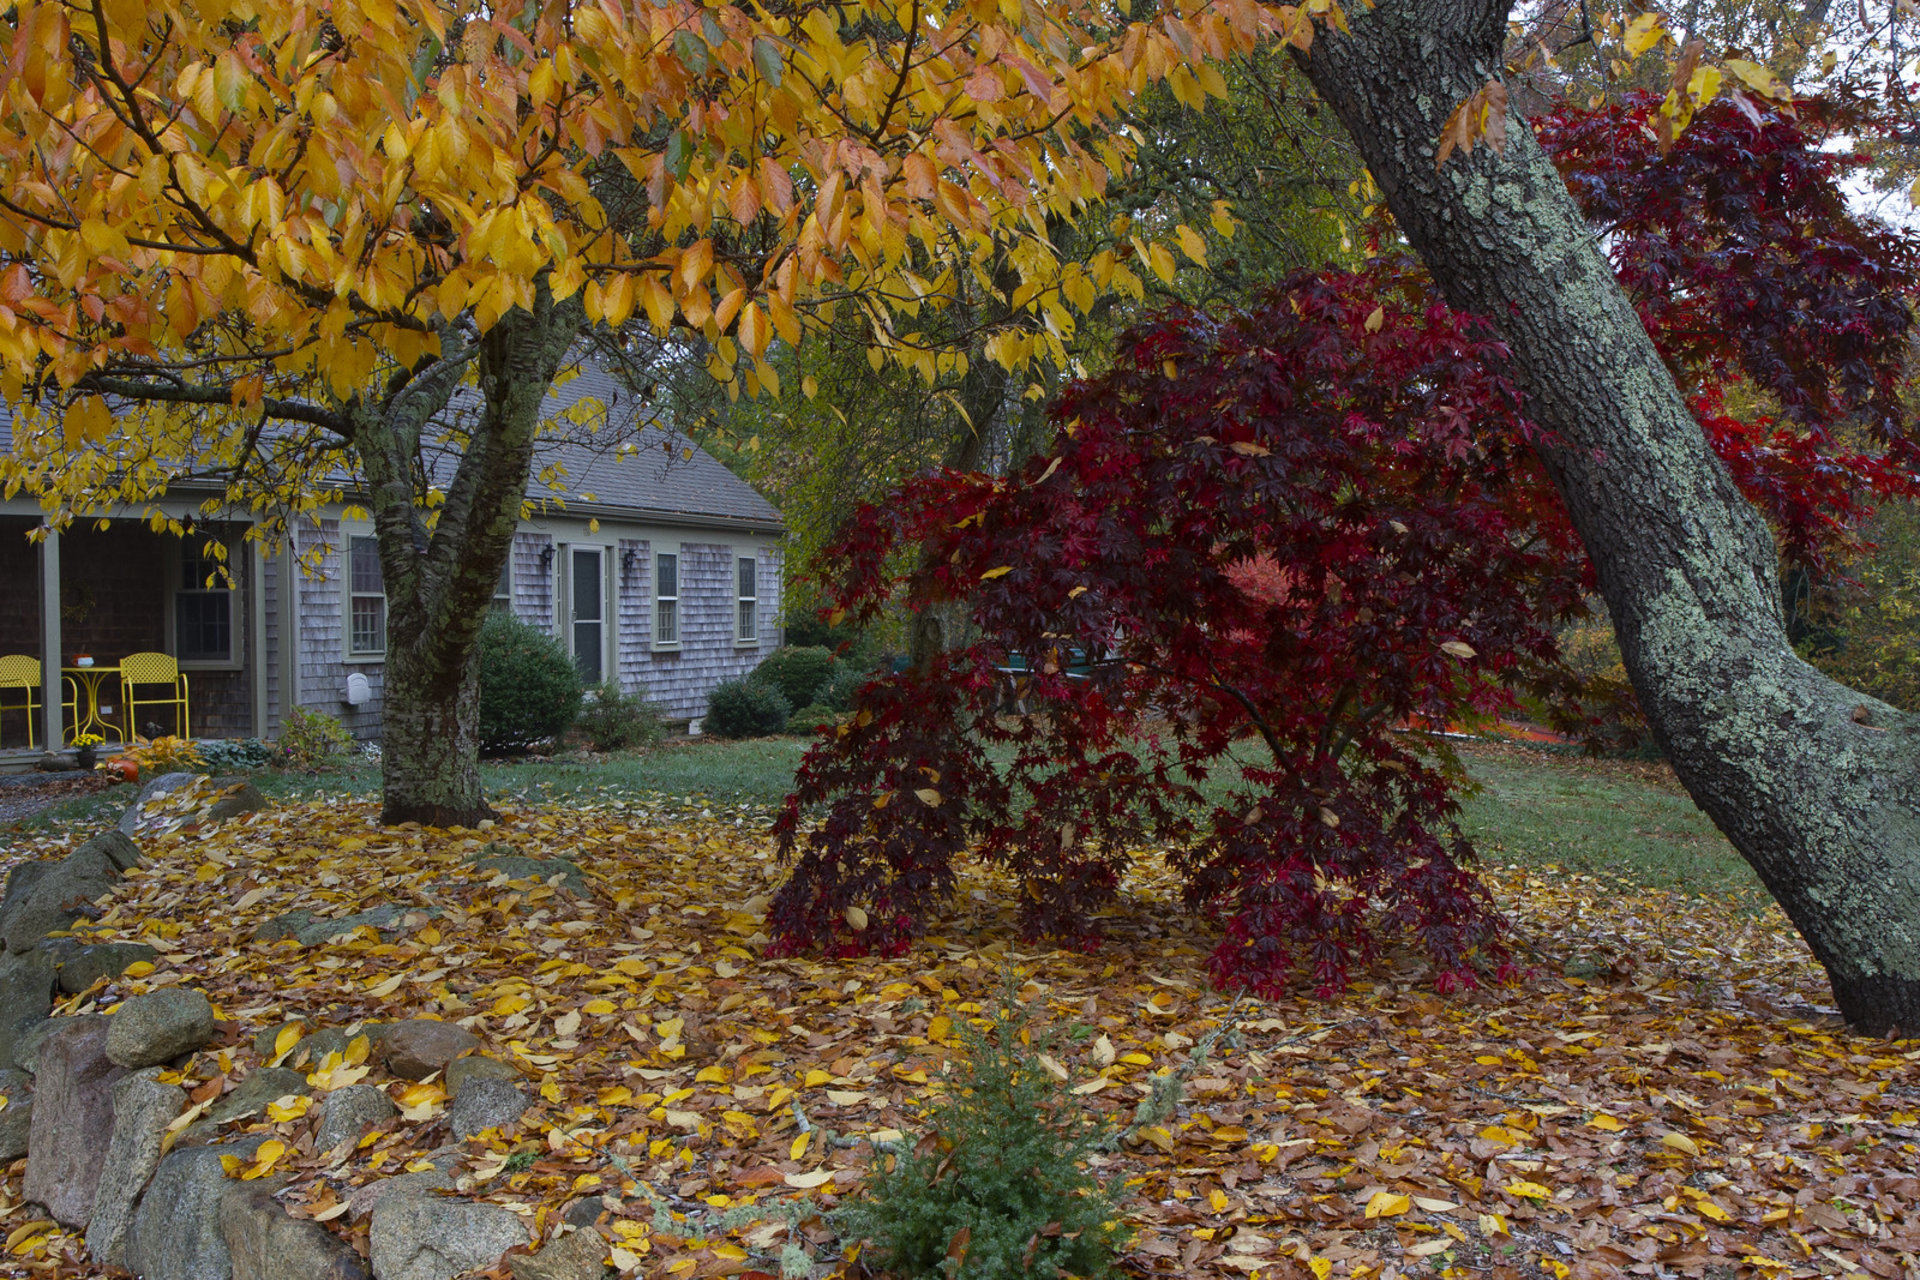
86 699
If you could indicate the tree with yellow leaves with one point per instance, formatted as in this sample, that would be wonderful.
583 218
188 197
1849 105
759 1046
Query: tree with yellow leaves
277 235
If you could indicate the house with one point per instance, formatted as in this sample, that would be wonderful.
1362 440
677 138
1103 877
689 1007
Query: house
653 563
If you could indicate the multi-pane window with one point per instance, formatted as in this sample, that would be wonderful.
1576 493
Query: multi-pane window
503 589
745 628
366 599
202 607
666 599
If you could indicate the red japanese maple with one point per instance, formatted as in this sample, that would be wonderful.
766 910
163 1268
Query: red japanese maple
1271 537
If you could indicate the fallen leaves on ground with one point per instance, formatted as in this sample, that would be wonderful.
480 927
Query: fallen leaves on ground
1665 1095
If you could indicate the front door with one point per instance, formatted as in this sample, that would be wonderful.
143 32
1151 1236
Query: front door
588 594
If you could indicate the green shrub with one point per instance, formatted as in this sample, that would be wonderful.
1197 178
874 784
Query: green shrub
807 720
613 719
797 673
309 739
529 686
838 691
1003 1165
231 755
746 709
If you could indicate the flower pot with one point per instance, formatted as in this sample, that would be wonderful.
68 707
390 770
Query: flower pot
87 757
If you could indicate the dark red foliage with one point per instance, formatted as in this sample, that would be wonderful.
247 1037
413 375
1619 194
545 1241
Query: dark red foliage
1275 536
1745 264
1357 435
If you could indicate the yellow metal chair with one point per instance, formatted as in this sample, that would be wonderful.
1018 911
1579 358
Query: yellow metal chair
18 671
148 669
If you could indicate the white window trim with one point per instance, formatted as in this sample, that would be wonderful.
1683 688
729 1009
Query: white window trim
348 655
654 552
504 598
236 602
759 574
609 550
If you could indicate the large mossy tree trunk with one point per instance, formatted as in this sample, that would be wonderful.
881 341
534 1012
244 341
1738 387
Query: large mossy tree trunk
1814 783
440 578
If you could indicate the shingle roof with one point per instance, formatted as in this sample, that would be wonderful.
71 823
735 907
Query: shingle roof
608 458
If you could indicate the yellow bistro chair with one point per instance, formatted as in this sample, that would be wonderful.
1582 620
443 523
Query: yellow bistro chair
138 670
18 671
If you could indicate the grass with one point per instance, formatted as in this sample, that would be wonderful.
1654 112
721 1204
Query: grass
1530 808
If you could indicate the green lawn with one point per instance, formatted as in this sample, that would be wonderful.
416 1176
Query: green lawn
1529 808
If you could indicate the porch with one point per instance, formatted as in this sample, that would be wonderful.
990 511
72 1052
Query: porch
82 601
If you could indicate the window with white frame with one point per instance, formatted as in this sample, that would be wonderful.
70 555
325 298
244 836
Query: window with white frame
503 589
746 601
666 599
366 599
203 630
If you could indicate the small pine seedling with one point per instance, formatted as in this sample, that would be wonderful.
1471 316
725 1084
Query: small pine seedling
995 1190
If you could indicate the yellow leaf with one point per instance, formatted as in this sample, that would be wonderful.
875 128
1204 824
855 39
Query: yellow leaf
1388 1204
929 797
289 1036
1602 1121
1493 1224
1321 1267
1191 244
386 987
856 917
1376 320
599 1008
290 1107
264 1159
817 1077
1643 33
940 1027
1704 84
1459 649
798 1147
1000 572
1758 78
1432 1205
1218 1199
1680 1142
807 1181
1530 1190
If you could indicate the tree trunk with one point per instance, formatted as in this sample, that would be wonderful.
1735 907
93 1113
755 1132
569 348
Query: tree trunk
1814 783
440 581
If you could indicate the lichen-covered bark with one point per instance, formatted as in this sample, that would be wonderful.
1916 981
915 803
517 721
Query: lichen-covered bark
440 580
1813 782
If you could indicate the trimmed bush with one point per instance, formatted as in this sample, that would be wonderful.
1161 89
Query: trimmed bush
309 739
998 1181
529 687
838 691
797 673
613 719
233 755
746 709
807 720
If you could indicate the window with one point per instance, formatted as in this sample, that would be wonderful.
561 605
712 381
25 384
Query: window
203 606
745 629
666 600
503 589
366 599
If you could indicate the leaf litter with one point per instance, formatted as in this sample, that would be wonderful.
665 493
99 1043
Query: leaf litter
1666 1095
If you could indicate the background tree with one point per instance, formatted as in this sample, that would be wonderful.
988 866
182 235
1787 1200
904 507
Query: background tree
276 235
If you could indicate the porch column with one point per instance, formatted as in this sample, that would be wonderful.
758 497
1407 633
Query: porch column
50 647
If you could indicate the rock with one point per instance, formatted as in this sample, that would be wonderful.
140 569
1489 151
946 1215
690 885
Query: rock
120 851
365 1199
142 1109
485 1104
72 1119
587 1211
520 867
314 1045
16 1117
578 1255
283 927
176 1231
425 1237
477 1066
267 1244
51 900
154 1028
27 984
81 964
310 931
347 1113
418 1047
235 801
250 1097
26 1049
